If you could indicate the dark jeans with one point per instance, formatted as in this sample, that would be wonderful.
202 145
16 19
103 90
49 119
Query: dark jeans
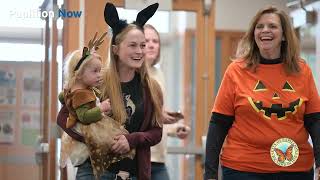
159 171
85 172
231 174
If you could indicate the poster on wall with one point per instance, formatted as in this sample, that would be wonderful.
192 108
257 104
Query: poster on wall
30 127
7 86
31 88
7 124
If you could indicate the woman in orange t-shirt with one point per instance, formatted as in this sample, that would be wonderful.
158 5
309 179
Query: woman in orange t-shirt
266 108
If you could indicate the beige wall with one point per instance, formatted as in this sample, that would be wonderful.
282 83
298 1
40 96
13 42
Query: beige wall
236 14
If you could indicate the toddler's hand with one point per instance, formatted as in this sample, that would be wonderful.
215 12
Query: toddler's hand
105 106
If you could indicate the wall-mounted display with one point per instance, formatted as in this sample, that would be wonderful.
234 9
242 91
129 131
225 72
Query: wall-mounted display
7 126
30 127
31 88
7 86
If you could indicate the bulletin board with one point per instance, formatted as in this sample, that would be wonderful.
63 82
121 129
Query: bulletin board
20 119
7 126
20 104
8 91
7 86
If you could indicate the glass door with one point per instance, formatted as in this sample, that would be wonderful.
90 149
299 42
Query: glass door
22 91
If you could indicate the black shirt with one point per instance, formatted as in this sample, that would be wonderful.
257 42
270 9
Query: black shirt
132 93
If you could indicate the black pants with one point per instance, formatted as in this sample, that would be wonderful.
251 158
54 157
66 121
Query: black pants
231 174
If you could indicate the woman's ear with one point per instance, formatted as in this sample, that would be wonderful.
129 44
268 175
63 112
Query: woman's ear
115 49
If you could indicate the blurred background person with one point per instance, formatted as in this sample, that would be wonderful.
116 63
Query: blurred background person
173 125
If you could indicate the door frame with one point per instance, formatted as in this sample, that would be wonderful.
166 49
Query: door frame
49 93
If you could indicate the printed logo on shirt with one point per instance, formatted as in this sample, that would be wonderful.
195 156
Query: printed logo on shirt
275 109
284 152
130 106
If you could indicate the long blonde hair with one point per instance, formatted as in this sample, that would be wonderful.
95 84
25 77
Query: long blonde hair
112 87
290 49
71 61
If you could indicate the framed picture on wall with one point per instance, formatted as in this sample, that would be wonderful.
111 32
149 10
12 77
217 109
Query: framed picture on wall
7 126
7 86
31 87
30 127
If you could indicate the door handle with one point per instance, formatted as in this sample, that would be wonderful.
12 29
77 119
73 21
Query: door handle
42 148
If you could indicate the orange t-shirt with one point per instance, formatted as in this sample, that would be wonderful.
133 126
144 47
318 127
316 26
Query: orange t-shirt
268 105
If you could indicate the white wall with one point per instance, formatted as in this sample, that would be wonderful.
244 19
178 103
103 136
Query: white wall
236 14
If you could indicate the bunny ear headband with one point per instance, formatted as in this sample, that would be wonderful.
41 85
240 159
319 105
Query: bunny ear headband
117 25
92 46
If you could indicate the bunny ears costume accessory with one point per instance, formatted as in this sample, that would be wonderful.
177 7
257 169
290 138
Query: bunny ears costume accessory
92 46
117 25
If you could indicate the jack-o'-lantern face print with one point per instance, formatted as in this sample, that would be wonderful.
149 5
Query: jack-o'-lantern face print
275 109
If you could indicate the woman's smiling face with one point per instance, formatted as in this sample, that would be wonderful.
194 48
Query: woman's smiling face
131 50
268 35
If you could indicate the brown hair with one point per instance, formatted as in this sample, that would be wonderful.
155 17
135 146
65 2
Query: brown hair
112 86
290 49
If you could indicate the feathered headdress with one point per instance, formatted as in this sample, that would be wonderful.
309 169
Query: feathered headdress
92 46
117 25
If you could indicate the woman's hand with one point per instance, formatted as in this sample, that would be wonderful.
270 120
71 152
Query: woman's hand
183 131
105 106
167 119
121 145
171 117
317 173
